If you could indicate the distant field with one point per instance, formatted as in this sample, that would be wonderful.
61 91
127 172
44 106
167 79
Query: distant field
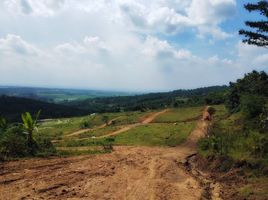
179 115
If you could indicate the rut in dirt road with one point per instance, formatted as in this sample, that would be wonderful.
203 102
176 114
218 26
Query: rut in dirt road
144 173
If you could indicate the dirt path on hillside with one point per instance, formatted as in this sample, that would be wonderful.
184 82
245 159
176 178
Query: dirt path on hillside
125 128
128 173
91 129
146 120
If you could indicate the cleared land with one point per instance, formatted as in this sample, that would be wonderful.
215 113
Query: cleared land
129 172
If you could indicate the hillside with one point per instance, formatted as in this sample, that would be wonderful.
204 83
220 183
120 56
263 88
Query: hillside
55 95
177 98
12 107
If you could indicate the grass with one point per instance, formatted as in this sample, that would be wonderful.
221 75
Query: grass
99 132
156 135
179 115
57 128
256 188
146 135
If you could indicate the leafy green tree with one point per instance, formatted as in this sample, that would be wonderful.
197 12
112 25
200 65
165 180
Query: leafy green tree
259 35
254 83
29 125
252 106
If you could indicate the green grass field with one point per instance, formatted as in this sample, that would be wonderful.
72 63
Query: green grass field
143 135
169 129
180 115
60 127
156 135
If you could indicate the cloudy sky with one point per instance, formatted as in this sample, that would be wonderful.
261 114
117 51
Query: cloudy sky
128 45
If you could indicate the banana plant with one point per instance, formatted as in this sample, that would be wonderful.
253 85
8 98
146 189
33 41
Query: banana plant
30 124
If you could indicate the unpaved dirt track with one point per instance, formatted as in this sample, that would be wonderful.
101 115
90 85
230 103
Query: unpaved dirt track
128 173
147 120
125 128
90 129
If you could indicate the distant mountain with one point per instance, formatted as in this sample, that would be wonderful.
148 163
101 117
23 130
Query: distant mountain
56 95
12 107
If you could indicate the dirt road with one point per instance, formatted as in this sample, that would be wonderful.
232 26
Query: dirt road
128 173
148 119
90 129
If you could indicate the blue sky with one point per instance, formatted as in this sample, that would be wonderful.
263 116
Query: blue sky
130 45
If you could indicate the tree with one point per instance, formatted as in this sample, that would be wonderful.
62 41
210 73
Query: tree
30 124
252 106
259 35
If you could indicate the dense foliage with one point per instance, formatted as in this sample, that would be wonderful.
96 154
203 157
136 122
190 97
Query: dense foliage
254 87
19 140
12 107
258 35
240 132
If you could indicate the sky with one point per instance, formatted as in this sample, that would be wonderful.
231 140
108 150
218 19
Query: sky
126 45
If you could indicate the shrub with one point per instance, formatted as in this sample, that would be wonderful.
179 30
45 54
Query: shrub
204 144
13 143
108 144
85 125
252 106
211 110
45 146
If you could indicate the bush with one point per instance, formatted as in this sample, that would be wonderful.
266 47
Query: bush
45 146
252 106
108 144
211 110
85 125
204 144
13 143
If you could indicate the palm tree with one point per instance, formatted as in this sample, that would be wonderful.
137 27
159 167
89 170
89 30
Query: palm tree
30 124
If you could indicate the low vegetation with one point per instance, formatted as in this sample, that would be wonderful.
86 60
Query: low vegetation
180 115
18 140
239 133
156 135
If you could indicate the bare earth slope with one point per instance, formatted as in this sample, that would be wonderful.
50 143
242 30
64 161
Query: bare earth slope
127 173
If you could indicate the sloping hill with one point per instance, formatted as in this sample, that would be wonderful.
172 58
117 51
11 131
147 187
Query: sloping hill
148 101
12 107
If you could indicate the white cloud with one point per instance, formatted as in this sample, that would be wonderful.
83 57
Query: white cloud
164 16
116 44
14 44
33 7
